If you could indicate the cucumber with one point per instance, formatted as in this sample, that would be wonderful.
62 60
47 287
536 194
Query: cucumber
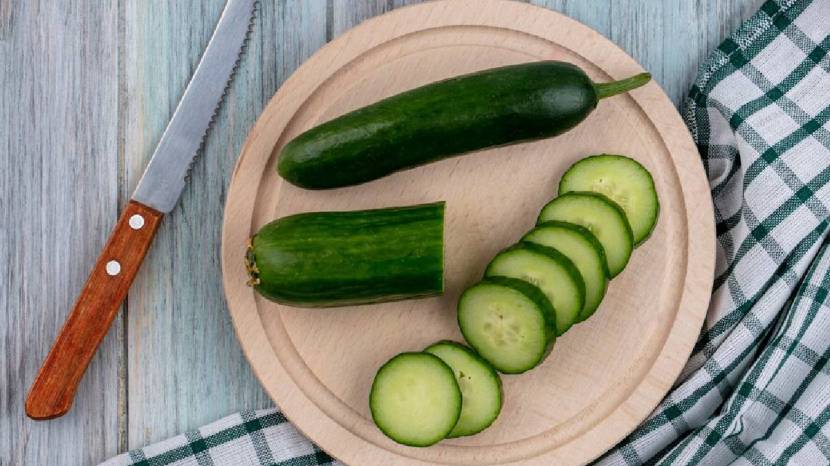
624 181
480 385
509 322
602 217
550 271
415 399
322 259
485 109
586 253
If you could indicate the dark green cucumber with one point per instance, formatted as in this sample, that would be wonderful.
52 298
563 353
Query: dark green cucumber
480 385
415 399
489 108
322 259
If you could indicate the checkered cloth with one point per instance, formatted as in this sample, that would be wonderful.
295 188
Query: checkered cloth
757 387
249 438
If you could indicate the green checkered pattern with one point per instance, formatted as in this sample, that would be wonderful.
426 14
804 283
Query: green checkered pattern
757 387
249 438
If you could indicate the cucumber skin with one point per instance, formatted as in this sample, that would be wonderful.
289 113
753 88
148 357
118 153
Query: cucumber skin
490 108
487 364
372 396
324 259
534 294
560 258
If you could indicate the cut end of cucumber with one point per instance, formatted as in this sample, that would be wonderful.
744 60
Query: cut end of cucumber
508 322
481 395
415 399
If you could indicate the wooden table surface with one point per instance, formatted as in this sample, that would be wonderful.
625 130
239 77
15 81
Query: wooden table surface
86 89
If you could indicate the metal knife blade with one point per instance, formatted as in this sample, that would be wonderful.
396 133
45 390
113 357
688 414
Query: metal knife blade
164 179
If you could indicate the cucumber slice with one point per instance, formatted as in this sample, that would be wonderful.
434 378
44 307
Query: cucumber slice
415 399
480 387
549 270
624 181
509 322
586 253
602 217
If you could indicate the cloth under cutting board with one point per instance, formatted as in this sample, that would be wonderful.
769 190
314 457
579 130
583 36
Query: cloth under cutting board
757 387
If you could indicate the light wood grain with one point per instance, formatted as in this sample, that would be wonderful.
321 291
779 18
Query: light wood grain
64 63
58 202
618 364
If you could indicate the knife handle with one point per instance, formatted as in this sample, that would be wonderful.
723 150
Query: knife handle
54 387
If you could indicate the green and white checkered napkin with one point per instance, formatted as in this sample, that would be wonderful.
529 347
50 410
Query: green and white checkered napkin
757 388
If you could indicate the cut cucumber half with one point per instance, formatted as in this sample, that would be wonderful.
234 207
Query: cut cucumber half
509 322
415 399
602 217
479 383
550 271
586 253
624 181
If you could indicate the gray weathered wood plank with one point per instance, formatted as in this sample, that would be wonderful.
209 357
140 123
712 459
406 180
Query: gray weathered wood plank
58 201
346 14
61 117
185 365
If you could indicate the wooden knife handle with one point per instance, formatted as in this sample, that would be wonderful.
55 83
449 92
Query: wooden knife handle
54 388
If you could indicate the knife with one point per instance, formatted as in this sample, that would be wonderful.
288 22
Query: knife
158 191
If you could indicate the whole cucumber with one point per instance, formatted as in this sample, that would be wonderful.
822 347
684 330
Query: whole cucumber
489 108
323 259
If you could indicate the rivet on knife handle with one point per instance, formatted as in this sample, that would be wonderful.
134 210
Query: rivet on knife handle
54 388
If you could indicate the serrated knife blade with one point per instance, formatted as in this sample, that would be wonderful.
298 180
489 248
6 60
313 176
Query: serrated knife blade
158 191
164 179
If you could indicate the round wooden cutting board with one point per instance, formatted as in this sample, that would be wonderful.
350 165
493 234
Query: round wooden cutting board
605 375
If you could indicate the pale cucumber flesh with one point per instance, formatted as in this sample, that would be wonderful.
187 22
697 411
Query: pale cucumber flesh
506 326
624 181
415 399
586 253
551 272
599 215
481 396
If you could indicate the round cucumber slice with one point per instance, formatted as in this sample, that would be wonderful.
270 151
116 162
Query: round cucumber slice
586 253
602 217
624 181
415 399
550 271
509 322
481 396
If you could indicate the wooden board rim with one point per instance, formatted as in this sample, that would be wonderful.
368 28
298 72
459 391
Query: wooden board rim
332 436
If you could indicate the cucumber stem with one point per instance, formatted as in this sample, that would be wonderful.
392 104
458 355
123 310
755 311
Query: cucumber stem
604 90
250 265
